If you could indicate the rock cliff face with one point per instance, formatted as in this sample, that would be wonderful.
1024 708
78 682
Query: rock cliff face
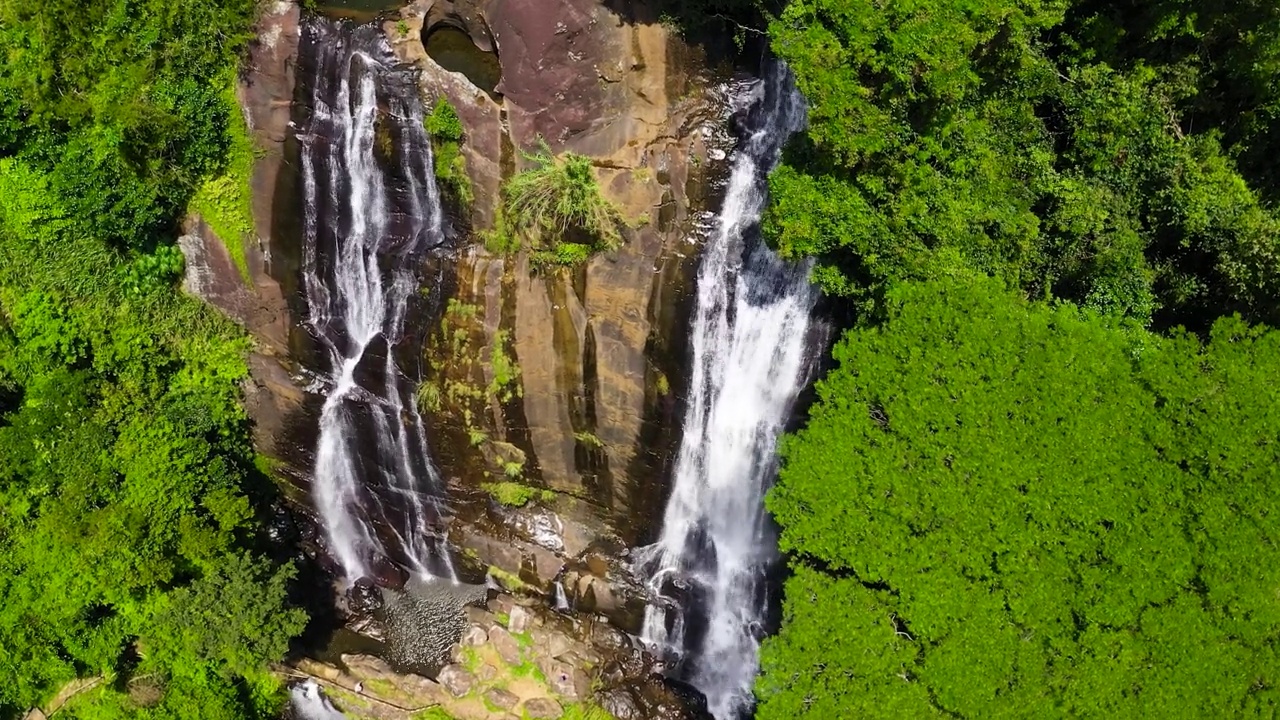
568 379
562 385
263 304
552 395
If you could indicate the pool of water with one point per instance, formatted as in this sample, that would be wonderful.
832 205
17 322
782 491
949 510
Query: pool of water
454 51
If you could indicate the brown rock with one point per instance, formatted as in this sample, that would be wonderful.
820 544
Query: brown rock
501 698
502 604
558 643
595 595
422 691
542 709
479 616
505 645
318 669
474 636
456 680
487 673
518 619
629 94
560 677
619 703
367 666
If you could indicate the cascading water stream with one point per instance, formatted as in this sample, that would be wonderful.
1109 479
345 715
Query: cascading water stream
372 211
750 332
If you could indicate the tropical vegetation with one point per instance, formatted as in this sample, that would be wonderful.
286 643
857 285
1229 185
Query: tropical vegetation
1040 478
556 208
131 500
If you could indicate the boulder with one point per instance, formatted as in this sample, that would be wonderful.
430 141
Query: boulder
364 598
560 676
500 698
502 605
620 703
474 636
388 574
479 616
551 642
542 709
505 645
456 679
422 691
318 669
518 619
487 673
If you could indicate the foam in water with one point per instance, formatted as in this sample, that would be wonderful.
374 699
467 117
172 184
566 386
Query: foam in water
372 210
308 703
750 332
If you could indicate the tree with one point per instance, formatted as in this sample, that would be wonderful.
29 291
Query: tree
1011 137
1006 509
128 487
228 622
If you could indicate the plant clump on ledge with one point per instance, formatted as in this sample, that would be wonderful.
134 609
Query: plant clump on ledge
556 206
450 165
513 494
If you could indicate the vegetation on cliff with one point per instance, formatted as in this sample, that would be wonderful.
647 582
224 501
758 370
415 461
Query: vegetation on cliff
130 504
557 207
1026 490
450 165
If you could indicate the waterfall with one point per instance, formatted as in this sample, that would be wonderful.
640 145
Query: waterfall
308 703
372 212
750 332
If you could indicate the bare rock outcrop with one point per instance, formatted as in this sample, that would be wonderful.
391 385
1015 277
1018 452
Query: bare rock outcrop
260 299
597 350
555 662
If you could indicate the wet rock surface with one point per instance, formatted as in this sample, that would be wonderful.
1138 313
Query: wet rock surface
557 663
594 411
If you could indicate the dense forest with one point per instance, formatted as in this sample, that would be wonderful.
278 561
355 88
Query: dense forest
130 495
1041 479
1037 482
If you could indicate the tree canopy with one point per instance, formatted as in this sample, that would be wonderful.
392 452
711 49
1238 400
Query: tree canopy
1011 509
1080 150
130 497
1026 490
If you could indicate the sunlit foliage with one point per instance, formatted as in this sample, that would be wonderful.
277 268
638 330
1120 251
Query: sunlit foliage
129 502
1004 509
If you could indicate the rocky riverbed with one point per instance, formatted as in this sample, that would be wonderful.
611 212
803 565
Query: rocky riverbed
515 659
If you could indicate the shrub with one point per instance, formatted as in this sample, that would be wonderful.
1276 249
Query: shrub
558 206
443 123
449 164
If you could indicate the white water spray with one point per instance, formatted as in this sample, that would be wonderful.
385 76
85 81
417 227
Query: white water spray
750 333
372 210
308 703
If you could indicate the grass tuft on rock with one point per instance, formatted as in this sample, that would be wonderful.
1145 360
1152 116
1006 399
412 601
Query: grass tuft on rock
225 200
557 205
514 494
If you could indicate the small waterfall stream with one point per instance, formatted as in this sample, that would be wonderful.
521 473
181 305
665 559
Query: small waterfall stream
750 332
372 211
307 703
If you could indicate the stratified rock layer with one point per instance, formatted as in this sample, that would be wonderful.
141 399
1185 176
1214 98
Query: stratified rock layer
592 410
